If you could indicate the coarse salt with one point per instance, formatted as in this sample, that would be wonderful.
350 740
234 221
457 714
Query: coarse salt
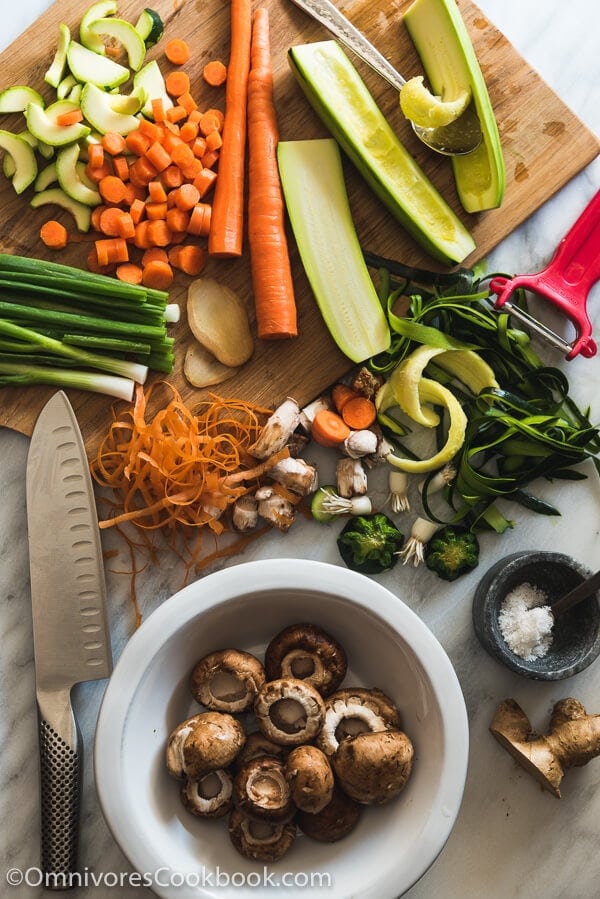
526 622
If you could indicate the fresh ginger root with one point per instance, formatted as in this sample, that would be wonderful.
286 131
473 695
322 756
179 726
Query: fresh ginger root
573 739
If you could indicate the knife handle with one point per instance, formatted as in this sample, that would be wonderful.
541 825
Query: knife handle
61 766
333 20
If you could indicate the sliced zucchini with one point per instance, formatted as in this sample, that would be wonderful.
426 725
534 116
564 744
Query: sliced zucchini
91 67
46 177
131 103
125 34
18 97
55 73
316 505
317 204
150 26
97 109
340 97
42 124
69 180
65 86
96 11
433 24
23 157
57 197
150 78
75 93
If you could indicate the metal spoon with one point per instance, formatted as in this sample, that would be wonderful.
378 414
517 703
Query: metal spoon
456 139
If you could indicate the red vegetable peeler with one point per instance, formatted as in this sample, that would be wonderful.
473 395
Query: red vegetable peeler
565 282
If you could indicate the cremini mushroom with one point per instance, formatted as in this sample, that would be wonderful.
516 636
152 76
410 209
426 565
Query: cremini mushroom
308 653
261 791
257 745
265 841
209 797
373 768
213 742
355 710
309 774
174 748
332 823
289 711
227 680
244 516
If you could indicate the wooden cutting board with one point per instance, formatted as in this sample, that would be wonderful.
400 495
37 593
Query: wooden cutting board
545 145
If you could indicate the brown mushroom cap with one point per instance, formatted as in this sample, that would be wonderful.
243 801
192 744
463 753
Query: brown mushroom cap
373 768
213 742
265 841
307 652
261 791
310 777
209 797
174 749
356 710
227 680
257 745
332 823
289 711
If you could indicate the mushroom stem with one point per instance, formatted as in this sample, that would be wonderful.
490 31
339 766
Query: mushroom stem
277 430
295 474
351 477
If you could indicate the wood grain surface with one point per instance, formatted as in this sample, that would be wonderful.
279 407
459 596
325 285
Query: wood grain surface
544 144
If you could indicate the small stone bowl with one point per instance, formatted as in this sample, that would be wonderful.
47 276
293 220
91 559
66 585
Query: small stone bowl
576 634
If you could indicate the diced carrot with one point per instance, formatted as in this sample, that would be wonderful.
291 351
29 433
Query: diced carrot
178 237
204 180
195 116
210 121
359 413
328 428
54 235
158 110
109 221
94 266
177 51
199 147
340 395
112 189
177 83
215 73
188 131
113 143
210 158
177 219
95 154
171 140
113 51
141 239
156 210
136 210
157 192
176 114
111 249
181 155
130 193
129 272
159 233
126 226
100 172
69 118
214 141
158 275
186 196
199 223
142 172
171 177
121 167
187 101
95 218
158 156
190 258
154 253
137 142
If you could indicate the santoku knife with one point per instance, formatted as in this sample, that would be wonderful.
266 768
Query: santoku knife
70 631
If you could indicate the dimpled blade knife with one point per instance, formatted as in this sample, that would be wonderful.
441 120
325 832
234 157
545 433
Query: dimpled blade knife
70 631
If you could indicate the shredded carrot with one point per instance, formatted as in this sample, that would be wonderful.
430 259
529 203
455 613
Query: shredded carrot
359 413
269 257
54 235
177 51
215 73
177 83
329 429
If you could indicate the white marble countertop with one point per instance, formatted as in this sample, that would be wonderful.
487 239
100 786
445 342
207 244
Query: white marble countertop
511 839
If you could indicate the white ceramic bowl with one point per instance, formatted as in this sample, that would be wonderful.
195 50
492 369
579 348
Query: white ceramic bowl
388 646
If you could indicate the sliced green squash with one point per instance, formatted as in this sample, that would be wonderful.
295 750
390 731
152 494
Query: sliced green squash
340 97
150 26
43 124
56 71
317 203
46 177
18 97
55 196
97 108
125 34
91 67
69 180
96 11
445 49
150 79
24 164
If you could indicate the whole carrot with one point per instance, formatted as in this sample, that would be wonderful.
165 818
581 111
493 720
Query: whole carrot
271 272
227 223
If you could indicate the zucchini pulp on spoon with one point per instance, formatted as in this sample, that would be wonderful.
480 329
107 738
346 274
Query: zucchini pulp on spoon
340 97
317 203
445 49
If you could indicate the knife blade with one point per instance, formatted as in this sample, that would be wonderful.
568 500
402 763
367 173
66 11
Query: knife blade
70 629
